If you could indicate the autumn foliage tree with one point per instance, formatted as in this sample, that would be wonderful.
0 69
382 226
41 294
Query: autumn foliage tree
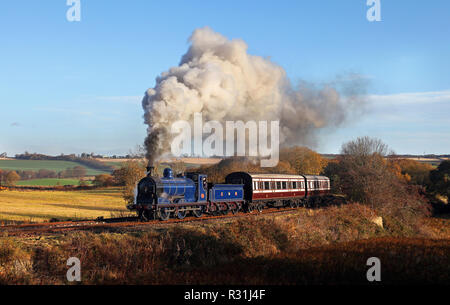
412 171
11 178
128 176
363 174
303 160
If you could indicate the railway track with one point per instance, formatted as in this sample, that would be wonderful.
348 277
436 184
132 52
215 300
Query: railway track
122 222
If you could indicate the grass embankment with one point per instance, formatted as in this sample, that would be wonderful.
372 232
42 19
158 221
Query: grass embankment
305 247
38 206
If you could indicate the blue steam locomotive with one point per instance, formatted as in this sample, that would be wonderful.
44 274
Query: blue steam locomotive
161 198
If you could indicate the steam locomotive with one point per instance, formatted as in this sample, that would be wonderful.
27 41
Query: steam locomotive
162 198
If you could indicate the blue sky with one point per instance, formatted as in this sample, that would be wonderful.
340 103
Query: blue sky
76 86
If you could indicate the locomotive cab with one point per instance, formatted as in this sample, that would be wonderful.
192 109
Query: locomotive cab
201 186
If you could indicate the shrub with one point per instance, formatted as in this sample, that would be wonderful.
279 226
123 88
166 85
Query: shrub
104 180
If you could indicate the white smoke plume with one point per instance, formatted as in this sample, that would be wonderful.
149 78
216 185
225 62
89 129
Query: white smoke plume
218 78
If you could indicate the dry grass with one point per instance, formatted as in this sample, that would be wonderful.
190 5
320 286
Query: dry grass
305 247
38 206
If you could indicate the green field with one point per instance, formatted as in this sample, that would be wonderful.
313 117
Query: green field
49 182
35 206
36 165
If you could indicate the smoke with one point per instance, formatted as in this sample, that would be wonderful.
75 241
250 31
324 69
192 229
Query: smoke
218 78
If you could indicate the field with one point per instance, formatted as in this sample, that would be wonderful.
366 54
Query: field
36 165
49 182
38 206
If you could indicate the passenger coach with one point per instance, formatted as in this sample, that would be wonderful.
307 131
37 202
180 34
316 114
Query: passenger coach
279 189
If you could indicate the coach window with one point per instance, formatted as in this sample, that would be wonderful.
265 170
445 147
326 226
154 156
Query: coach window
278 185
261 185
294 184
266 185
284 185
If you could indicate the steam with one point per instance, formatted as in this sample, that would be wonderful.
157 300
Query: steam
218 78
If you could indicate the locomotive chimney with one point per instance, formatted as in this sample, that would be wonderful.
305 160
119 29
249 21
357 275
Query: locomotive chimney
149 168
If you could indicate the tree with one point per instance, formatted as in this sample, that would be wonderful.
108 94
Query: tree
362 173
303 160
11 178
412 171
128 176
79 171
364 147
440 179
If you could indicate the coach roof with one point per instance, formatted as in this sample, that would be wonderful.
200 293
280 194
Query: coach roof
285 176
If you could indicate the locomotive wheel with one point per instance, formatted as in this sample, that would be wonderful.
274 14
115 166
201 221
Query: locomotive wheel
140 215
163 214
259 207
234 209
214 209
197 213
181 214
225 210
144 215
250 208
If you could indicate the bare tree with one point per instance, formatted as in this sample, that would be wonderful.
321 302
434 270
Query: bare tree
365 146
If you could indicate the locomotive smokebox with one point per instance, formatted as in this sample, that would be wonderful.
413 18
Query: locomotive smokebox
150 169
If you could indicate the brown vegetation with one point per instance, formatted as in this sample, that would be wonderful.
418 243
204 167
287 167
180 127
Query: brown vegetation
306 247
363 175
128 176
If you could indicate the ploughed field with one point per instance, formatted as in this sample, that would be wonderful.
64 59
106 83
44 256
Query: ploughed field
41 206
